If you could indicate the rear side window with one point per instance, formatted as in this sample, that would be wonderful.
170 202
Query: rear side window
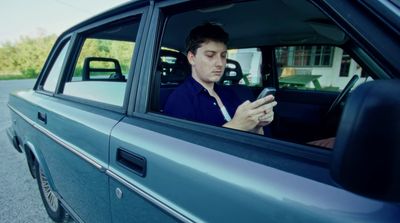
55 71
102 67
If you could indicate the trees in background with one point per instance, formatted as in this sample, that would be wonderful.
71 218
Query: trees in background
26 56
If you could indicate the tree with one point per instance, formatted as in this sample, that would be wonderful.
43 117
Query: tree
26 56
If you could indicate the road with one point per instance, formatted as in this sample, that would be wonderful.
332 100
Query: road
19 195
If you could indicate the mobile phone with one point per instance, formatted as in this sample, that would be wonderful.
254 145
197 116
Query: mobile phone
266 91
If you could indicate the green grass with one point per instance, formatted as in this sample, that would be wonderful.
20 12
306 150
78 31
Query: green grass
15 76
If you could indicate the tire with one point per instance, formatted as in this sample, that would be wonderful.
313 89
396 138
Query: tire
53 206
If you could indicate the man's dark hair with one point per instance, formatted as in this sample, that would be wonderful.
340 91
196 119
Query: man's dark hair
203 33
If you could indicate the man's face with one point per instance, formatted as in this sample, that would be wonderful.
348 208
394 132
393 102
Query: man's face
208 64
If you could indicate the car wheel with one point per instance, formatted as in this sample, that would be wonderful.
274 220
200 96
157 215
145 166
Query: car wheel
53 207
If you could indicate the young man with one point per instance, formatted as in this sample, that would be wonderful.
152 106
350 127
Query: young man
200 99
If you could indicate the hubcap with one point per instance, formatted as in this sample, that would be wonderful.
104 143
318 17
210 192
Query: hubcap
49 195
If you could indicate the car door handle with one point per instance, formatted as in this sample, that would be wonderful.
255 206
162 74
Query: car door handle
42 117
132 161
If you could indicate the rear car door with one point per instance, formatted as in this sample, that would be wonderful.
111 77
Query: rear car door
86 104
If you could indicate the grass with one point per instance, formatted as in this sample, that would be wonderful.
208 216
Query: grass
15 76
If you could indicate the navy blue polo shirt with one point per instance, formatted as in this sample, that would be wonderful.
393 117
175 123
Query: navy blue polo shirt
191 101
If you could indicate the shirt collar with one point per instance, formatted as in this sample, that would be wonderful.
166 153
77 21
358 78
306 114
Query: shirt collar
197 87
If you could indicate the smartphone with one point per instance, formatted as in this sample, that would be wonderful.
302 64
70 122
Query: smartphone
266 91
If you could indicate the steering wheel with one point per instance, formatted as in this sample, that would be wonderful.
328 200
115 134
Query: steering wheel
342 95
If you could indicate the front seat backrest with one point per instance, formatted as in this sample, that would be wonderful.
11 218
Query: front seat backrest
232 74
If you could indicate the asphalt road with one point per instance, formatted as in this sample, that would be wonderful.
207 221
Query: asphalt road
19 195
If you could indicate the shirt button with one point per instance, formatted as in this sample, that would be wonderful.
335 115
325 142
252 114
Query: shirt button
214 103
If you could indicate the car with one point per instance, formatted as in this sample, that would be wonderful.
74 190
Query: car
97 139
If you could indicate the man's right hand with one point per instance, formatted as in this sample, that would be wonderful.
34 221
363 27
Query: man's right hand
251 116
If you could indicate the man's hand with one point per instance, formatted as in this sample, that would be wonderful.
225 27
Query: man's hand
252 116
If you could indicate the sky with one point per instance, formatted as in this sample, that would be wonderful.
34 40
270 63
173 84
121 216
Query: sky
44 17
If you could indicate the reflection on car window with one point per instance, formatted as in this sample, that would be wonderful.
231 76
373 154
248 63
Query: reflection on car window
324 68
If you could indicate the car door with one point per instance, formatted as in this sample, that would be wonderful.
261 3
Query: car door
164 169
87 104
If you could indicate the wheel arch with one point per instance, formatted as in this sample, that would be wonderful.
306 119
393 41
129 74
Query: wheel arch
34 159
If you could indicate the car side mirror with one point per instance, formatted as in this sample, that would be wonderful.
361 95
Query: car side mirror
366 156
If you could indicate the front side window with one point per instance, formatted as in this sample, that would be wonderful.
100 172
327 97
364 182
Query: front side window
103 64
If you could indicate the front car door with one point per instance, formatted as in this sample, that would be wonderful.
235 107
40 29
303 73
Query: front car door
165 169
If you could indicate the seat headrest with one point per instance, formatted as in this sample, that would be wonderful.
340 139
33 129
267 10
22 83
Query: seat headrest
173 67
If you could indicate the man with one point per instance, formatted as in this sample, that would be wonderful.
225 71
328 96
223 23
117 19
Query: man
200 99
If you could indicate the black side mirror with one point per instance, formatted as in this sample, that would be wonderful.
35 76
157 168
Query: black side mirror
367 151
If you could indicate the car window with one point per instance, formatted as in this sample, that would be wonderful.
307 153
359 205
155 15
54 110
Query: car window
55 71
249 60
101 70
315 67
